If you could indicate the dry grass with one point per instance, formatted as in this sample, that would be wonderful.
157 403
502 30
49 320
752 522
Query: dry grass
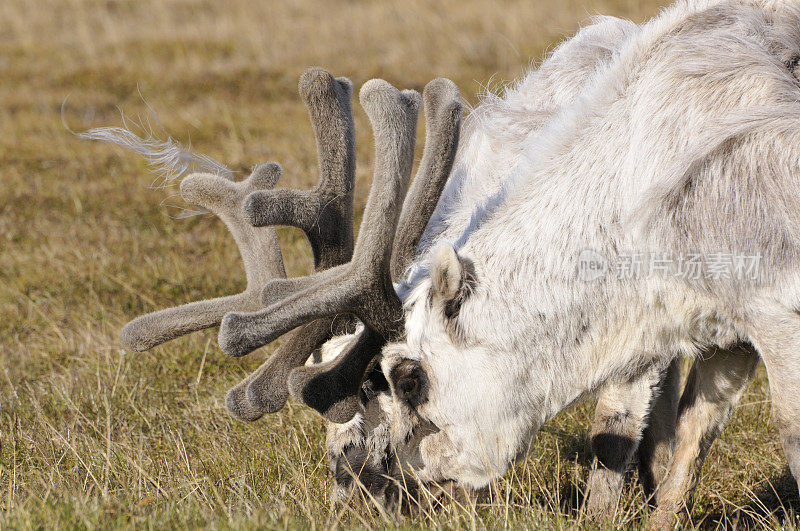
91 435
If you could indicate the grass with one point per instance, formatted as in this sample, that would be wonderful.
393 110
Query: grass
93 436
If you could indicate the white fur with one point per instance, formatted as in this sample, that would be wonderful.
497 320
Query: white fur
494 134
699 96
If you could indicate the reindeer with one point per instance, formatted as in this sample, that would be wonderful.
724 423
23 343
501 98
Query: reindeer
482 165
325 216
682 144
492 306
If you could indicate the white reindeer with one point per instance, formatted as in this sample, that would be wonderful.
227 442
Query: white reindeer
493 140
679 142
682 146
515 118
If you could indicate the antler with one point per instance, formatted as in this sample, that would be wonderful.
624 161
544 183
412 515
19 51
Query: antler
325 214
332 387
442 126
259 249
363 286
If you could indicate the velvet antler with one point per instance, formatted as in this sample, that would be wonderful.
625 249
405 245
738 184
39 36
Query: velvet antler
442 105
259 249
363 286
332 387
325 214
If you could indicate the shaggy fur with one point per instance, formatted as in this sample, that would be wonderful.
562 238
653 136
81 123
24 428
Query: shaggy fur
683 143
680 142
494 133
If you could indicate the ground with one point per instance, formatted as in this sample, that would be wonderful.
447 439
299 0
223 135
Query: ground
92 435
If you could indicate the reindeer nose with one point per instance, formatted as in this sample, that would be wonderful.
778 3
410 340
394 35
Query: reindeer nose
359 463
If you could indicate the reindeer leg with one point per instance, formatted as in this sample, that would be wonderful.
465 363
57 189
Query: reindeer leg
658 439
776 335
620 419
714 386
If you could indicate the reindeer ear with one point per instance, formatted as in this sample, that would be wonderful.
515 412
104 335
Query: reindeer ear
449 277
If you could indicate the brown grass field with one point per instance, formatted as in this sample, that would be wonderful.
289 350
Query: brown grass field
93 436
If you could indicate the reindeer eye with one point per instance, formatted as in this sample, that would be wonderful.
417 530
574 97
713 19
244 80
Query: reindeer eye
408 386
410 382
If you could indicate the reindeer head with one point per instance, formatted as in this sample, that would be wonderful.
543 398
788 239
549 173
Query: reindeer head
352 280
350 390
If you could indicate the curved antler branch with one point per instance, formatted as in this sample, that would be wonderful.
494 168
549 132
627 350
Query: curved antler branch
265 390
325 215
332 388
258 247
442 127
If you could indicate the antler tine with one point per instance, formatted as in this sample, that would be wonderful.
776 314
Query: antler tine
442 126
265 390
362 287
326 216
324 213
332 387
258 247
